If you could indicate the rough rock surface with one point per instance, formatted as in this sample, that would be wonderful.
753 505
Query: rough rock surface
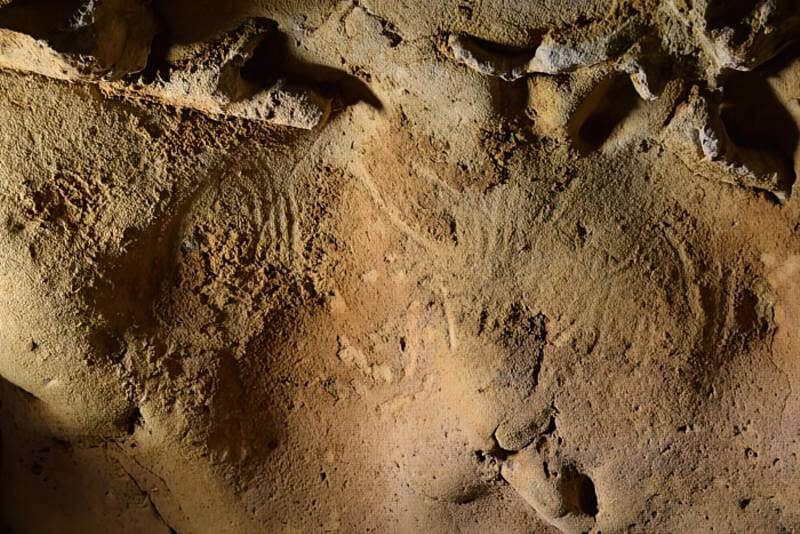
380 266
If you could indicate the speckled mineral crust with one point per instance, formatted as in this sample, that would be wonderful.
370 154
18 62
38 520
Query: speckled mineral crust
399 266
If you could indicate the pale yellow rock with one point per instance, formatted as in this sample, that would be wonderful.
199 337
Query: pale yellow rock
473 266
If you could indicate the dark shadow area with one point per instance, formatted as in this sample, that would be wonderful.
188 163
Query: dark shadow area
4 529
53 485
274 59
509 99
606 107
579 493
781 61
38 18
157 66
727 13
512 53
193 21
755 118
66 25
496 59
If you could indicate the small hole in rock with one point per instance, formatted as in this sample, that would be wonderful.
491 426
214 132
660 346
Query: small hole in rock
606 108
579 492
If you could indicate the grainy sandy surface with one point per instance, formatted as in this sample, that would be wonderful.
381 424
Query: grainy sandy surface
400 266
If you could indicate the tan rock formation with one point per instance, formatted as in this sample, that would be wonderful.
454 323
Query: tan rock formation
380 266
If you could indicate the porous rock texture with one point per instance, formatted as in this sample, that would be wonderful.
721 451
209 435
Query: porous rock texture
399 266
